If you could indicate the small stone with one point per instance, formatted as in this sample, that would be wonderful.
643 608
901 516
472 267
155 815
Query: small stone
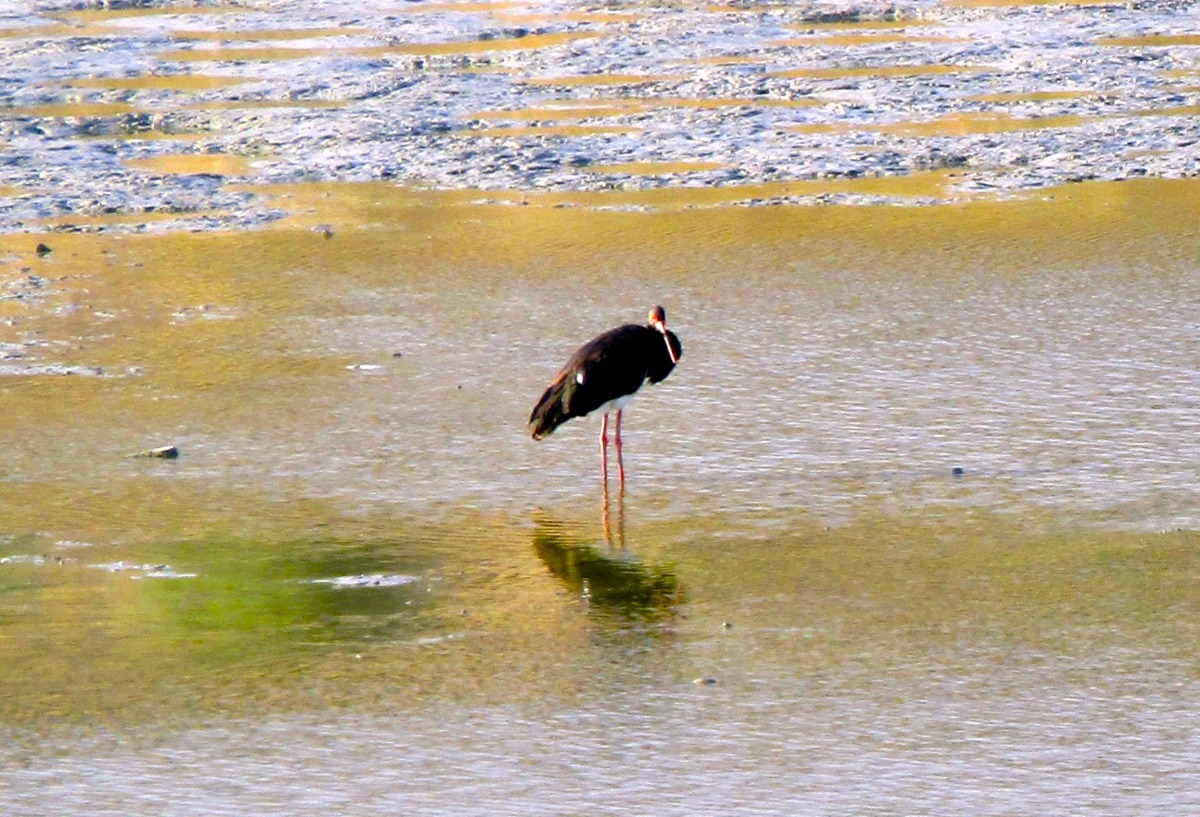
42 250
163 452
957 471
725 625
707 682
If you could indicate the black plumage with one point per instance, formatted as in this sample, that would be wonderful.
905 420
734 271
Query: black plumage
605 372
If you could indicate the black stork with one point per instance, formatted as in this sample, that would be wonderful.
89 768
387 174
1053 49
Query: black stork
604 374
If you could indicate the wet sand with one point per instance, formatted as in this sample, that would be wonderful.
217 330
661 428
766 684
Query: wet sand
159 114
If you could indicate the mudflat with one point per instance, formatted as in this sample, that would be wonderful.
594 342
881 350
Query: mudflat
163 108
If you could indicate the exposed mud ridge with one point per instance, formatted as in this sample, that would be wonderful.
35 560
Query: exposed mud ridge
142 115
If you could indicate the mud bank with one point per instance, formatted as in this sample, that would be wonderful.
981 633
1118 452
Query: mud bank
149 118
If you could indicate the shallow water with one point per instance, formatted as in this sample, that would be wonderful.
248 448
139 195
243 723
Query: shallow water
361 588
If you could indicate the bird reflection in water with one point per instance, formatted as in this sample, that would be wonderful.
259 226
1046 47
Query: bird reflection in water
611 580
605 506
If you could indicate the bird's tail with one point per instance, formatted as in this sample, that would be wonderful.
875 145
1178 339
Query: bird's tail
549 412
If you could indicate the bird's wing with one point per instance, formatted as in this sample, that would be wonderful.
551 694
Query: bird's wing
610 366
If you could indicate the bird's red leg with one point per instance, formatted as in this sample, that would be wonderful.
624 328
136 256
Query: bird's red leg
620 461
604 450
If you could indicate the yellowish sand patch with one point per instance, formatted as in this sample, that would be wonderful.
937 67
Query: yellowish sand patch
56 30
194 163
1152 40
1179 110
965 124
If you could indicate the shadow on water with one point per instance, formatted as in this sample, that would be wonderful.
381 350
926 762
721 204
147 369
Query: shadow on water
611 579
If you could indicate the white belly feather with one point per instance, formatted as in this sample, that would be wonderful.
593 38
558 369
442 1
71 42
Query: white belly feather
616 405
